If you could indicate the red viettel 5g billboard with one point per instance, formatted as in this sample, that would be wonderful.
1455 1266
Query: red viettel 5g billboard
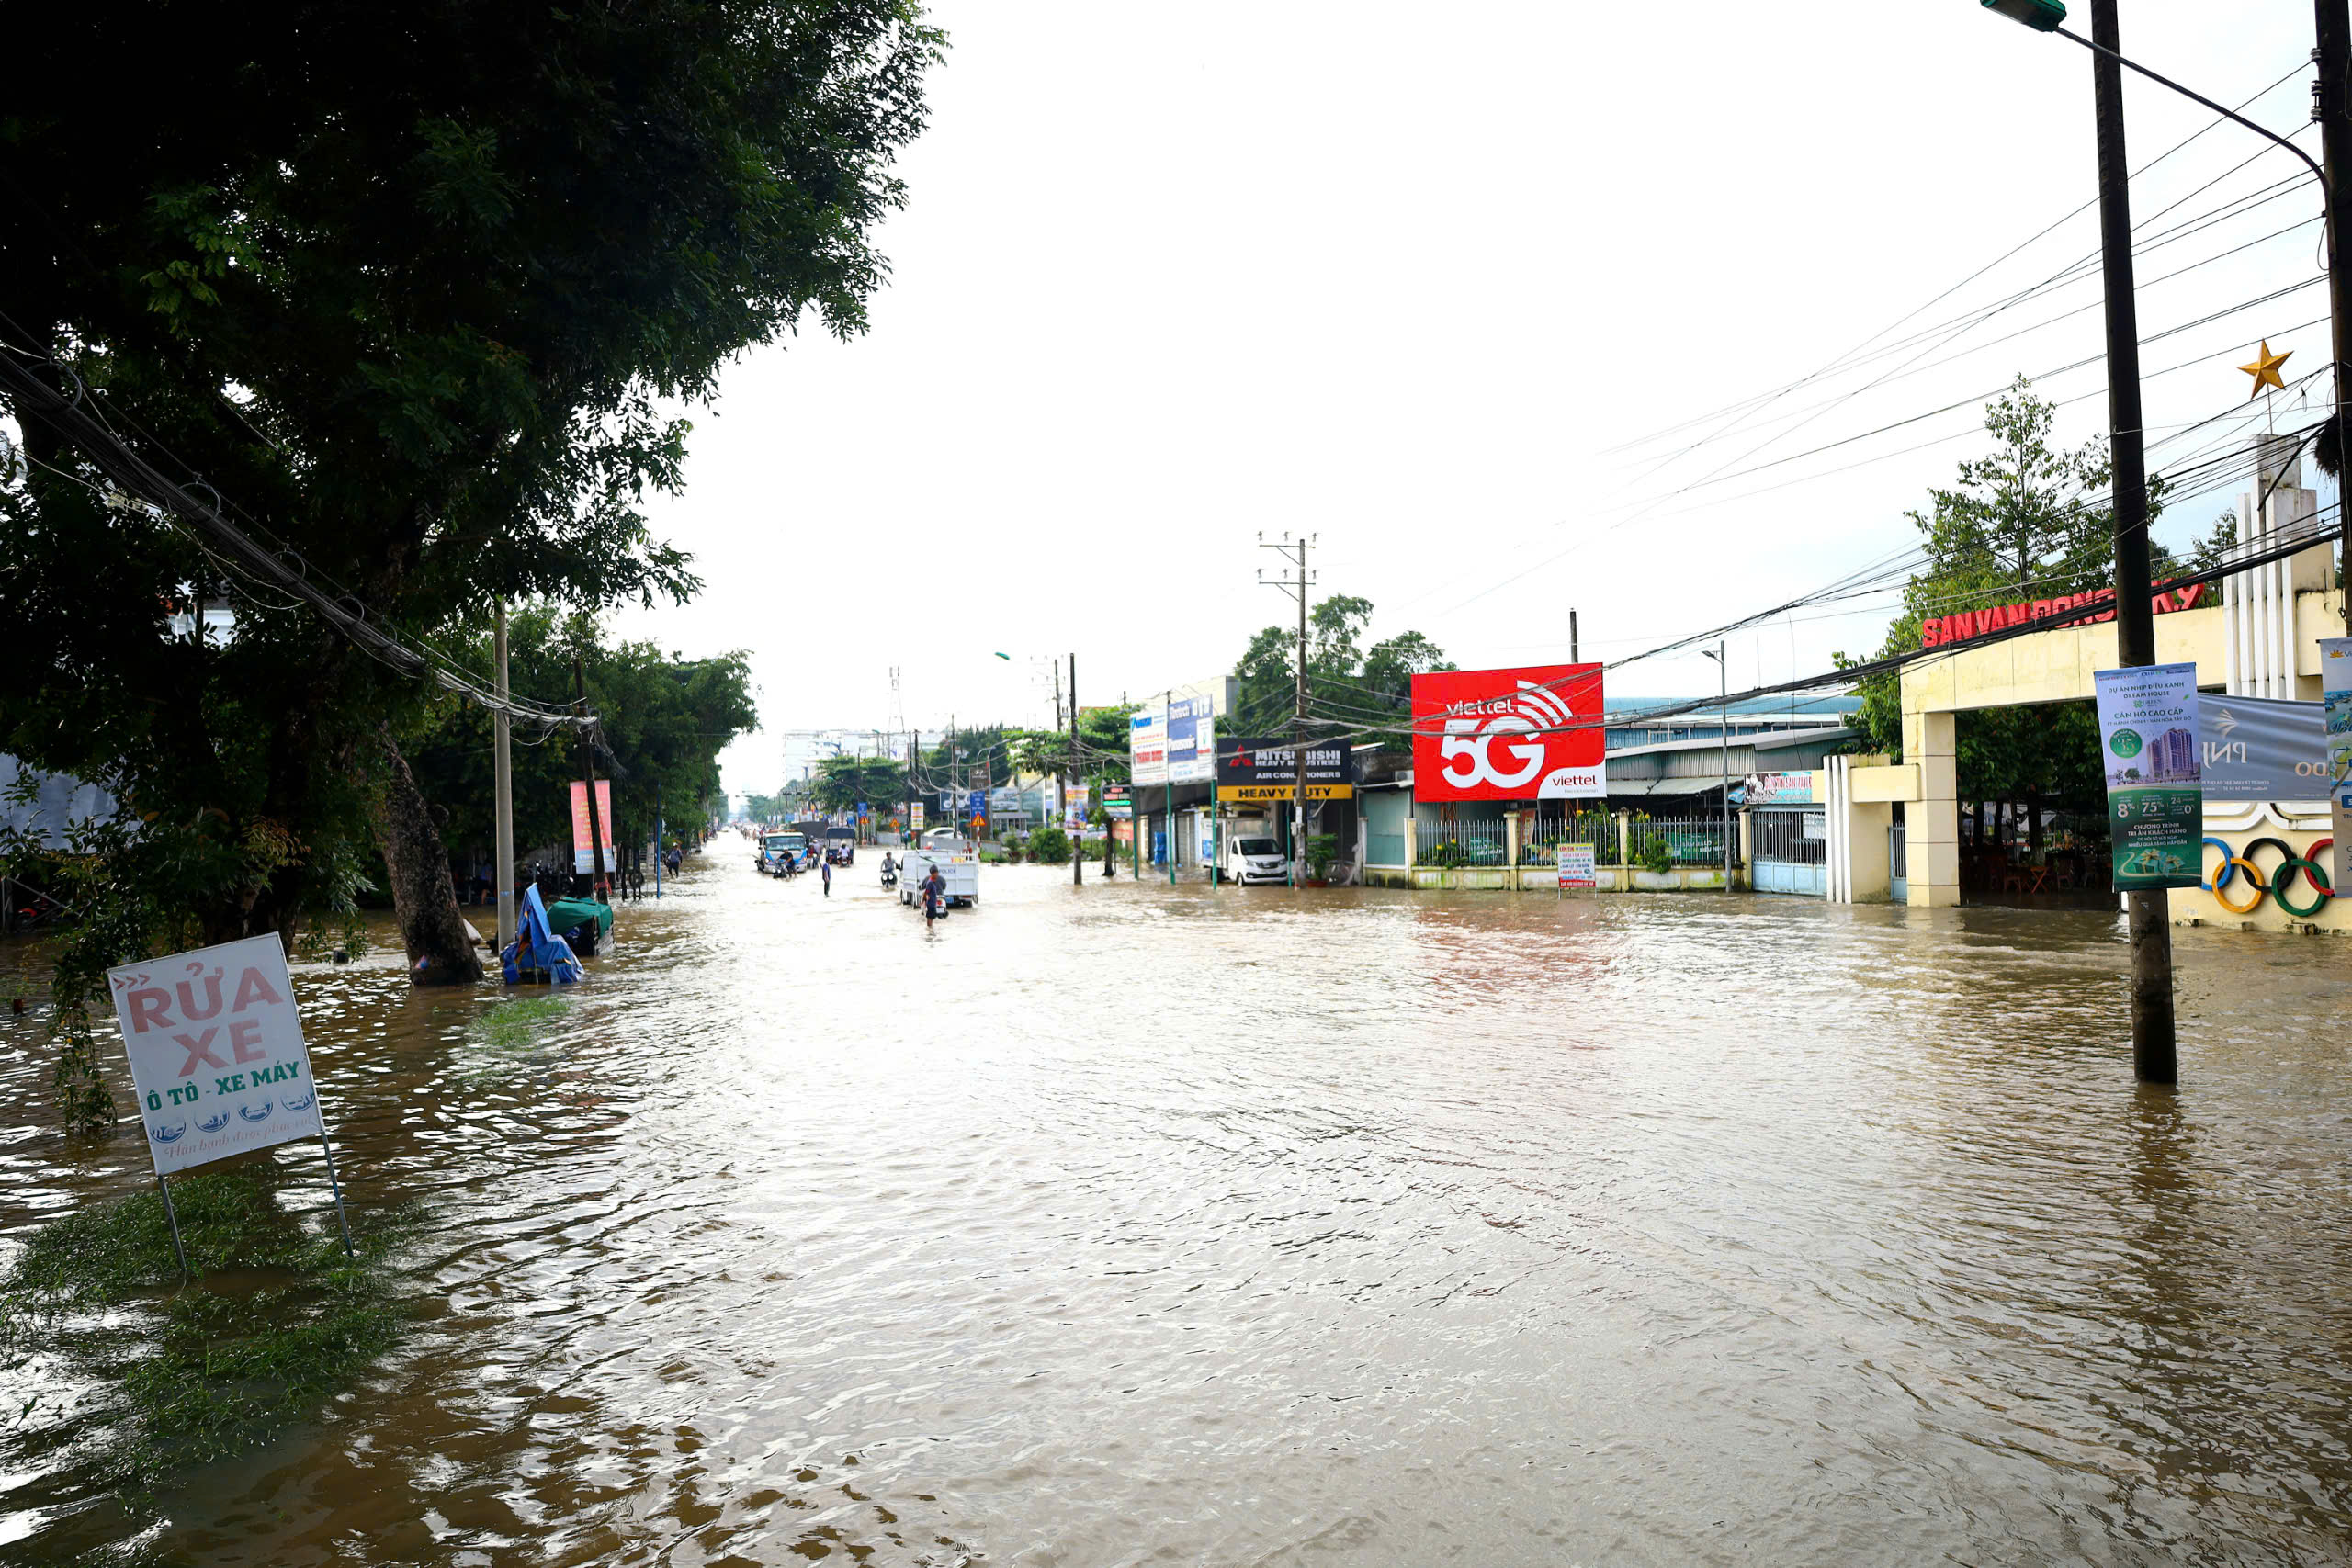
1529 734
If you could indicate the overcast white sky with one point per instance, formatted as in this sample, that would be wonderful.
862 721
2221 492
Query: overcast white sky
1171 276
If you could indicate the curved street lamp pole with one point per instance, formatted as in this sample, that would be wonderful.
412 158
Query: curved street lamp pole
2331 108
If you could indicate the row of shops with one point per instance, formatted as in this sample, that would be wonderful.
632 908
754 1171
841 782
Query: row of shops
1657 812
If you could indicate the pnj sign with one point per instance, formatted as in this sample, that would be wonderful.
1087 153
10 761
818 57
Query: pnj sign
216 1052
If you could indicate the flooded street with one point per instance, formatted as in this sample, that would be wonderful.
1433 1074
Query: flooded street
1139 1224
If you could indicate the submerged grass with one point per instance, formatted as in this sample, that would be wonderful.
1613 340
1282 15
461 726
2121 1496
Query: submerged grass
517 1023
276 1323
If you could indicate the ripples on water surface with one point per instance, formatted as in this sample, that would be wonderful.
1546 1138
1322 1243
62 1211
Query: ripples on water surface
1145 1225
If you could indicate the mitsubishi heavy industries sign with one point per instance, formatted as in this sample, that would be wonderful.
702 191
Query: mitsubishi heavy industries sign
1530 734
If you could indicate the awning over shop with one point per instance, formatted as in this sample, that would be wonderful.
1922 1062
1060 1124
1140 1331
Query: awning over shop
1624 788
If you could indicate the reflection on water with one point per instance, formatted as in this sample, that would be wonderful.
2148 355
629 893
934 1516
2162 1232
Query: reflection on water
1139 1224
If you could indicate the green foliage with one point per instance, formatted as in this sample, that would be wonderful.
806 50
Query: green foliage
1657 855
1447 854
1322 848
2023 523
413 290
666 719
1049 846
842 781
1349 688
1101 751
279 1321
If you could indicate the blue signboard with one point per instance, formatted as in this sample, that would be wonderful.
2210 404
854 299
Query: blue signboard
977 804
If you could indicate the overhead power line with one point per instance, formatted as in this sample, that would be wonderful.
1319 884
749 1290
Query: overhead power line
346 612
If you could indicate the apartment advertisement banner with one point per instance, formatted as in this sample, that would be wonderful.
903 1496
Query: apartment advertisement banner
2147 729
1525 734
1266 771
583 863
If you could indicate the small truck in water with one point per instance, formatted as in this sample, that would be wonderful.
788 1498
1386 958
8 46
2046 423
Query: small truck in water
959 873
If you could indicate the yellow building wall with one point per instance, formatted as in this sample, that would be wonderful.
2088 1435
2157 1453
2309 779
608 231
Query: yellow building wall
2058 666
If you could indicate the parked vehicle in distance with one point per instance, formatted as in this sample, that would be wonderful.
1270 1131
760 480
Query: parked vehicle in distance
1255 860
782 851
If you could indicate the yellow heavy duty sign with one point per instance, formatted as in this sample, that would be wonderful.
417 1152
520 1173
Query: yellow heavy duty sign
1268 793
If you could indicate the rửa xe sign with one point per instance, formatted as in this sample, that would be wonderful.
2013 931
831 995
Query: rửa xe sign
1527 734
216 1052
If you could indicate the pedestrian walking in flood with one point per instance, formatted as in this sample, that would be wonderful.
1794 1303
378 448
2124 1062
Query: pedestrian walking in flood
935 893
826 868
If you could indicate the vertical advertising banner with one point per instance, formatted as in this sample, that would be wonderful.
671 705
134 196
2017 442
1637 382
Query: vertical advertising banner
1191 740
583 863
1147 746
1528 734
2155 800
2335 704
215 1050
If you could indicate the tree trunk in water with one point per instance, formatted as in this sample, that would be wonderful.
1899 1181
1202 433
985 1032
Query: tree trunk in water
433 930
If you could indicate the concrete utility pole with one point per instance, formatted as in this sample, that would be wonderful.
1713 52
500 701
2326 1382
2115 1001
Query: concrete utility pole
1076 848
588 771
1572 639
2153 1036
502 764
2332 107
1297 581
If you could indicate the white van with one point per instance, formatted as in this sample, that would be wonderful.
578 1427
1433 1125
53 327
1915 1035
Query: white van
1253 857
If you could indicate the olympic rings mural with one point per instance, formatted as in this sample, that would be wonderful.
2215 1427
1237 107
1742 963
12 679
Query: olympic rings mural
2311 867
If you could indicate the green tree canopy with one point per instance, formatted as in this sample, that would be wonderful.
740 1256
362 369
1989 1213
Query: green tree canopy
2024 521
1351 688
665 721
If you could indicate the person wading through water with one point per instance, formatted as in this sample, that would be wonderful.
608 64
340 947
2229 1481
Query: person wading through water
935 893
826 866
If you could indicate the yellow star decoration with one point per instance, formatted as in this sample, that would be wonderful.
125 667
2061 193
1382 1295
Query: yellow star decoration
2265 370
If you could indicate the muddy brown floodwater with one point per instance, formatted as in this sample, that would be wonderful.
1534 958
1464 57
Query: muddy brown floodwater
1139 1224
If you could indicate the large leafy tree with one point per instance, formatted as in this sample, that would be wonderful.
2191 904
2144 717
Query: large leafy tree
666 718
2024 521
843 783
1351 688
412 289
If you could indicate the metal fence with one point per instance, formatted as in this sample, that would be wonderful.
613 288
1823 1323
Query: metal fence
1598 828
1898 853
1463 843
1686 840
1800 837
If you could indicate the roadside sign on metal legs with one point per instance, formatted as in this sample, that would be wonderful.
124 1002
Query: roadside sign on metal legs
216 1052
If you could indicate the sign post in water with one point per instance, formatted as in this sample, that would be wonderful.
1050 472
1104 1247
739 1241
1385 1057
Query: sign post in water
2156 799
218 1059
